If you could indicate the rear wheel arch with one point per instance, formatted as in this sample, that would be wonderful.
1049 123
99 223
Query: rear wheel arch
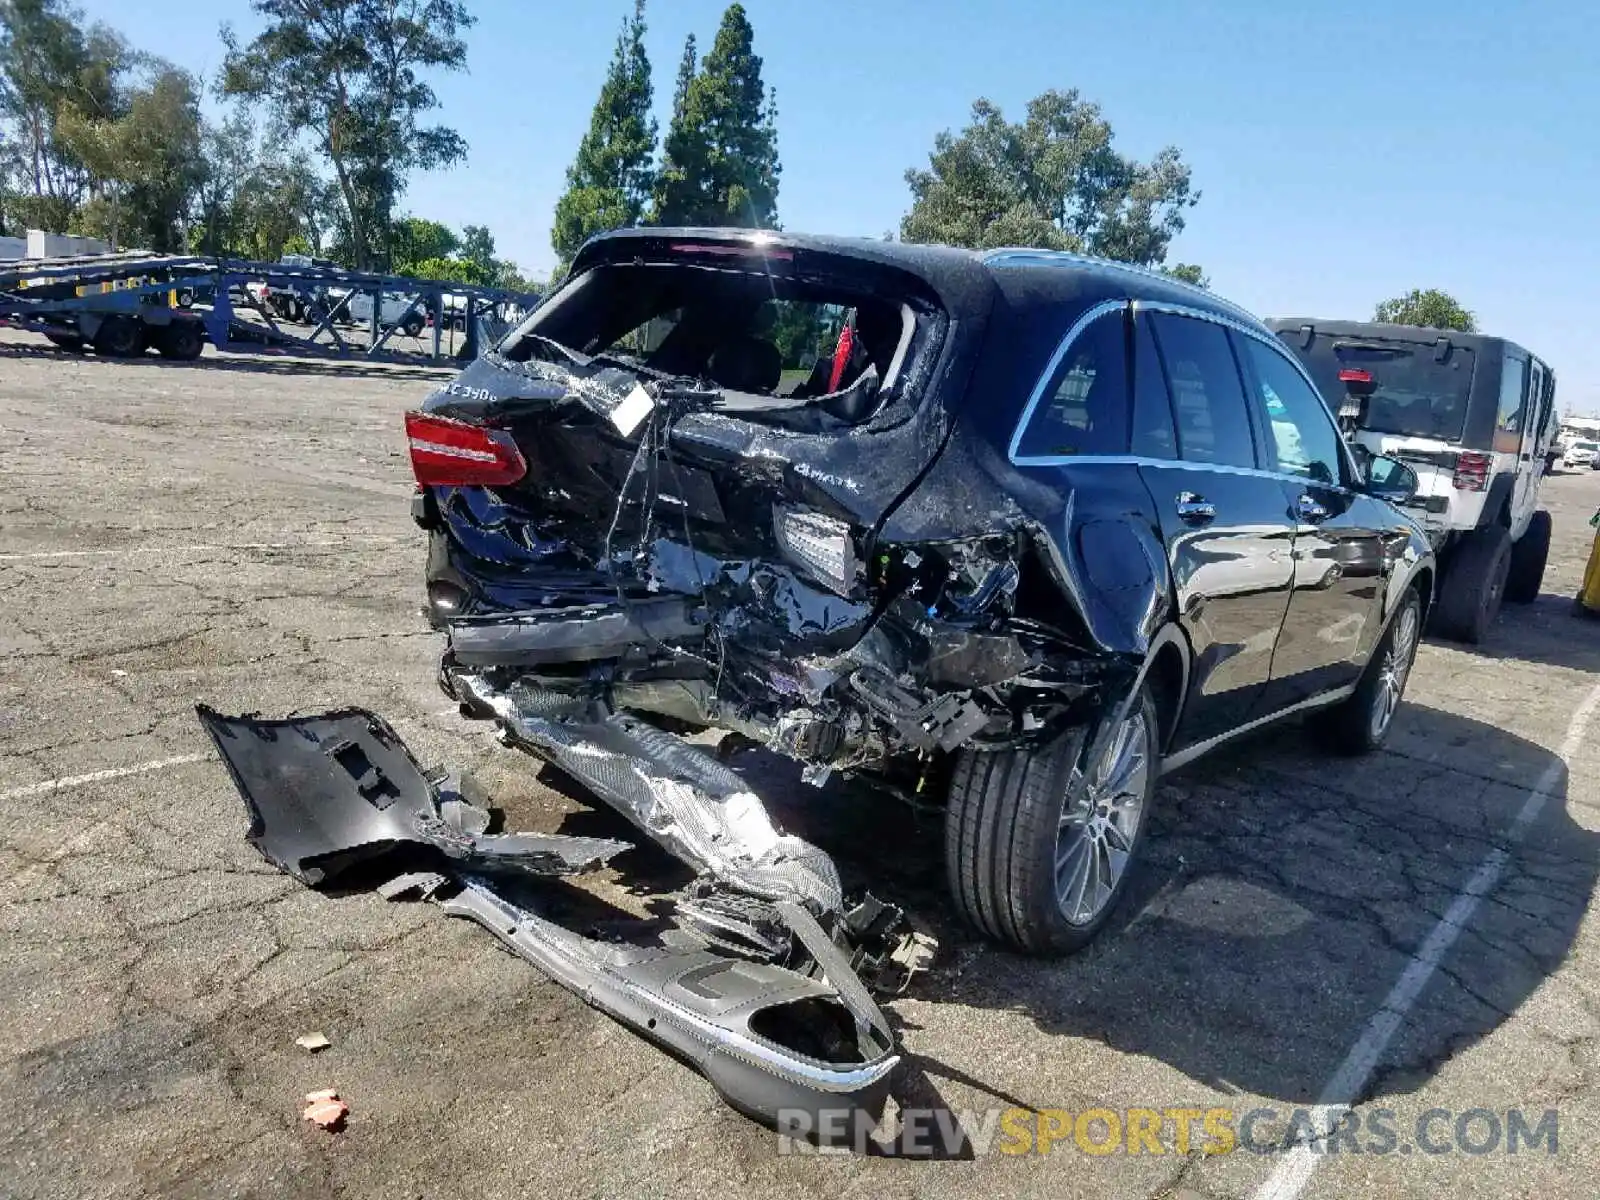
1166 673
1497 504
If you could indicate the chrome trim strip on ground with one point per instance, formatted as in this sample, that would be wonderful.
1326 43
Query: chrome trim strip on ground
531 937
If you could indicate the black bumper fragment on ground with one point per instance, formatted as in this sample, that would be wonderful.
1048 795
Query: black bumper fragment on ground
327 792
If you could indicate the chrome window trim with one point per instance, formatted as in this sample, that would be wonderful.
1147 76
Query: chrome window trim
1172 464
1104 307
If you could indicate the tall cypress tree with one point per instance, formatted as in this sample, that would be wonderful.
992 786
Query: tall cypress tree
721 153
610 181
683 153
680 89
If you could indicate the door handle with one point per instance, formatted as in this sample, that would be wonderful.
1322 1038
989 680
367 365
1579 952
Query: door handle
1309 508
1195 508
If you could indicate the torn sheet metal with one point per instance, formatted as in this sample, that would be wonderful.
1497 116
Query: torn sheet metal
770 1040
685 799
579 634
327 792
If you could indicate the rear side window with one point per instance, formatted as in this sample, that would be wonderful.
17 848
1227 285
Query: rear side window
1207 397
1154 435
1508 421
1084 406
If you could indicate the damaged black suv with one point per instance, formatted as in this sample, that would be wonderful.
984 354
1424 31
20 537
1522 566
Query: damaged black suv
1024 527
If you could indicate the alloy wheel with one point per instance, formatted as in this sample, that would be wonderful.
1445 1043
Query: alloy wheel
1394 668
1100 822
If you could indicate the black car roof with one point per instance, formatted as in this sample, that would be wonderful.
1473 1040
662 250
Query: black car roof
1424 334
964 280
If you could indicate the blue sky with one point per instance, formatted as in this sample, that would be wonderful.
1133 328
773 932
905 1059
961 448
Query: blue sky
1345 153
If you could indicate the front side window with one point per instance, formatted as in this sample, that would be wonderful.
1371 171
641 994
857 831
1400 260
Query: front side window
1301 438
1084 407
1207 397
1539 414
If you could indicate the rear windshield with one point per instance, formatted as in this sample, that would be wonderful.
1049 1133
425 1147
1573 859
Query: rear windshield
767 342
1413 392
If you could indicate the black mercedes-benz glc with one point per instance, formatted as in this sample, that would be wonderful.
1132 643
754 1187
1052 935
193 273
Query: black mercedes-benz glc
1030 526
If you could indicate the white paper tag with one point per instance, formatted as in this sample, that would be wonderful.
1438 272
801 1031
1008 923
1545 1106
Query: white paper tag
635 407
749 824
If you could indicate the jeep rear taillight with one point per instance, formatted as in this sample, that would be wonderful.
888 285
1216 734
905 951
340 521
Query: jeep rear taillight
1472 471
450 453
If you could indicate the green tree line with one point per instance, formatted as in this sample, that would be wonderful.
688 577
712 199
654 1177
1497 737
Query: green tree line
327 117
1052 180
329 113
718 163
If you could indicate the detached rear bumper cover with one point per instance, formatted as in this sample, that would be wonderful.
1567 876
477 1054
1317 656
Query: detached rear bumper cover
326 793
710 1009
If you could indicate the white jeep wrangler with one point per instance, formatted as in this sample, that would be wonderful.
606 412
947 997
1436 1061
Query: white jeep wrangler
1475 417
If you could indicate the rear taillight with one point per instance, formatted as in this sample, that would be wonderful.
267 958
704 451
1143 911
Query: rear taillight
1472 471
819 545
450 453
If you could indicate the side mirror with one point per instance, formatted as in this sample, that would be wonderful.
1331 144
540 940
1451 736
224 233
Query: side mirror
1390 479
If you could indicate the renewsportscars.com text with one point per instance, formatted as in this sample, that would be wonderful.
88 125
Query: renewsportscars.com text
1106 1131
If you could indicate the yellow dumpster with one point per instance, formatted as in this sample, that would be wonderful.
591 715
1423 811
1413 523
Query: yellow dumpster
1588 601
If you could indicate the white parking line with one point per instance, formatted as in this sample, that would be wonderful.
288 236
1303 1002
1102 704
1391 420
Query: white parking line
1295 1169
51 786
318 543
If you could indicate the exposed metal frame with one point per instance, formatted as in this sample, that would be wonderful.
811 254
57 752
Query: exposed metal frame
33 295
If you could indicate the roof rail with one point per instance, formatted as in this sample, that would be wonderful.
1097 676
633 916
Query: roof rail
1024 256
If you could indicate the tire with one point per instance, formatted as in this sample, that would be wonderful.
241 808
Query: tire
185 297
181 340
1361 724
1474 584
1528 557
1004 825
412 326
119 337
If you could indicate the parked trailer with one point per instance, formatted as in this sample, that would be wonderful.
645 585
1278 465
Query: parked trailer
124 304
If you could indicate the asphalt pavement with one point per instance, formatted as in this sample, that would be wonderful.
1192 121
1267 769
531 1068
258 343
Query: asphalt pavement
1412 930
